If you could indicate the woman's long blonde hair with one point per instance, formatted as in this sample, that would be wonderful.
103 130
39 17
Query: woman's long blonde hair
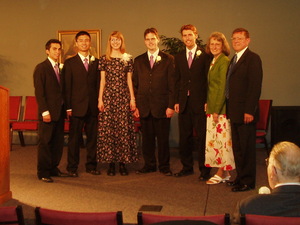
116 34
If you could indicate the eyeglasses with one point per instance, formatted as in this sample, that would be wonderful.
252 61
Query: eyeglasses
267 161
238 39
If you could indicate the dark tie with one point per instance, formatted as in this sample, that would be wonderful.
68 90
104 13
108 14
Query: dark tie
86 64
151 61
57 72
231 66
190 59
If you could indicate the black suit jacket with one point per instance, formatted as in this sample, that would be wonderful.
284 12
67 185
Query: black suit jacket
81 88
283 201
48 91
245 87
193 79
154 88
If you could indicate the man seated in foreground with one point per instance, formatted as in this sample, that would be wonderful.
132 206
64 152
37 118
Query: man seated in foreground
283 168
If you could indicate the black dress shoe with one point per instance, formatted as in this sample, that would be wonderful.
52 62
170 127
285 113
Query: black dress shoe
145 170
122 169
111 170
184 173
73 174
46 179
166 172
60 174
241 187
232 183
93 172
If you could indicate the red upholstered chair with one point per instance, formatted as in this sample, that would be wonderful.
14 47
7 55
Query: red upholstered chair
263 124
11 215
250 219
30 118
54 217
15 103
145 218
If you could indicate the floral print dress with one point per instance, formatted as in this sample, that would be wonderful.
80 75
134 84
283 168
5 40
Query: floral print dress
116 137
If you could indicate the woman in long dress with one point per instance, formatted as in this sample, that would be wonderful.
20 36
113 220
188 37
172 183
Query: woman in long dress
218 133
116 138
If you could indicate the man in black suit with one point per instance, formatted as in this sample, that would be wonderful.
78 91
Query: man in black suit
191 67
154 84
82 77
243 88
48 93
283 168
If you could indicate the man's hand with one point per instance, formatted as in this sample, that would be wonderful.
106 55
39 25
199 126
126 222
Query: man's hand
47 118
248 118
176 107
169 112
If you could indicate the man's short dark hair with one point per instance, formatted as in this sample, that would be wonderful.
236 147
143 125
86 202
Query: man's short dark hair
151 30
51 41
80 33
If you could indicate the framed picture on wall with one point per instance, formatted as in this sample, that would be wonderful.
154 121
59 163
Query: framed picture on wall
69 49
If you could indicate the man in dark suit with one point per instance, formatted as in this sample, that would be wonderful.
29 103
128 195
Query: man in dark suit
283 168
48 93
82 77
191 67
243 88
154 84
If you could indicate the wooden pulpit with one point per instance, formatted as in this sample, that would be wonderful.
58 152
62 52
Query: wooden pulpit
5 193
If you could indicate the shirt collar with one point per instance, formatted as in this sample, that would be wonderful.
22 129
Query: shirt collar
82 57
155 54
52 62
240 53
285 184
193 50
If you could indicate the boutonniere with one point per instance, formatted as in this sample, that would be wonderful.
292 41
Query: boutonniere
158 59
92 59
126 58
198 53
61 66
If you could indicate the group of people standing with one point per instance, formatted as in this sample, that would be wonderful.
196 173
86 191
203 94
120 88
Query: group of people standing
216 100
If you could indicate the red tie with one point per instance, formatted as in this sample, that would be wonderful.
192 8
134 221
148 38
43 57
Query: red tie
151 61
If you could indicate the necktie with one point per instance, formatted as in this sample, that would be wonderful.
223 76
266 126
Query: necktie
86 64
151 61
57 72
190 59
232 64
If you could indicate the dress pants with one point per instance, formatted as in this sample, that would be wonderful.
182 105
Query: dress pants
50 146
188 121
152 129
244 151
89 123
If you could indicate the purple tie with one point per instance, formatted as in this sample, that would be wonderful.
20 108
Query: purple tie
190 59
151 61
86 64
57 72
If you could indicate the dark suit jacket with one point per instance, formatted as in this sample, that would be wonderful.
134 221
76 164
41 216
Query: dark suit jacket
193 79
245 87
154 88
48 91
81 88
283 201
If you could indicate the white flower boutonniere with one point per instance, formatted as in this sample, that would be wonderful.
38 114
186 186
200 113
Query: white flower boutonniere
92 59
126 58
198 53
158 59
61 66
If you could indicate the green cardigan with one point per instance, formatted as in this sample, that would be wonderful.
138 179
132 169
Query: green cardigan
216 86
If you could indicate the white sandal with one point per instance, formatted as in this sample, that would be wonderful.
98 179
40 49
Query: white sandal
217 179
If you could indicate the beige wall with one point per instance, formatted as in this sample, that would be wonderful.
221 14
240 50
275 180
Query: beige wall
274 27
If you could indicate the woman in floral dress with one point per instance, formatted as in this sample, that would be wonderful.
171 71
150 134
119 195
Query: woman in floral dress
116 138
218 151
